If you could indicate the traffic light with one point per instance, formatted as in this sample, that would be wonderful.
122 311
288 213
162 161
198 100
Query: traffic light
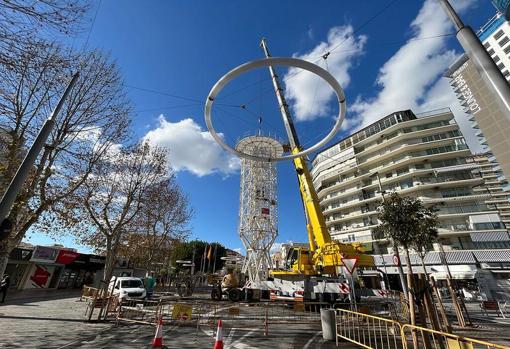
5 229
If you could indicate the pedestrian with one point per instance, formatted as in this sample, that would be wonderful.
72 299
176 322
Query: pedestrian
4 286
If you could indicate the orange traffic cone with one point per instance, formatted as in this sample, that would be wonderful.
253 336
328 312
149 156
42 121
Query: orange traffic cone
218 344
157 342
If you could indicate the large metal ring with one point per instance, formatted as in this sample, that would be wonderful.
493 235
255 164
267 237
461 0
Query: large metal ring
272 61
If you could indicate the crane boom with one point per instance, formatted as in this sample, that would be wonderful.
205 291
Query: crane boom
326 255
316 224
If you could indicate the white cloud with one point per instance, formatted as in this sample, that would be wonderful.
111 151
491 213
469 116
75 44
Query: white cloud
308 98
412 77
191 149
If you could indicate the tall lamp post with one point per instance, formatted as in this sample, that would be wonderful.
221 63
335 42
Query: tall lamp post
486 67
14 187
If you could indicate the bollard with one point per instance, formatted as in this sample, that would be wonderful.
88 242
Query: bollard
328 322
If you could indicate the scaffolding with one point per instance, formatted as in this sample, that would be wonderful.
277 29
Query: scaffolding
258 211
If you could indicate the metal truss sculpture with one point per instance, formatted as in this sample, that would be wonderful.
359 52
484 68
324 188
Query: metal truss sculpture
258 213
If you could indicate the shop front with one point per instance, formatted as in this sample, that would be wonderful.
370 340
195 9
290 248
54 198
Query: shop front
19 262
42 272
82 270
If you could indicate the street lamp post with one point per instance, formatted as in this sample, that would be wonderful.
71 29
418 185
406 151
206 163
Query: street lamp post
484 64
14 187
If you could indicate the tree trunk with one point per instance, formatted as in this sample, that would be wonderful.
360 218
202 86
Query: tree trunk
108 266
405 289
410 286
444 317
412 315
4 257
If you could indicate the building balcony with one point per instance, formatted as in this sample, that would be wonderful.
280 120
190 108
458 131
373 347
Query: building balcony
406 148
402 136
364 173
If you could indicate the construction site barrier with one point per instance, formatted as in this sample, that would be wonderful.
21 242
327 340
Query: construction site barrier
367 331
428 338
141 311
88 292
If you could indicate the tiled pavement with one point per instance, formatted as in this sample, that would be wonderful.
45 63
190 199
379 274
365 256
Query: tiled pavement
59 323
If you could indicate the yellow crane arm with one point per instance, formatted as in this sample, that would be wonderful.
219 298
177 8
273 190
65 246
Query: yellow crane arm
318 233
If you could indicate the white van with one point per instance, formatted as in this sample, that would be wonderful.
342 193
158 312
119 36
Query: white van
128 287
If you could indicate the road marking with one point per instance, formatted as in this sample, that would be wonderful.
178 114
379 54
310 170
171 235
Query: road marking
310 341
238 345
230 335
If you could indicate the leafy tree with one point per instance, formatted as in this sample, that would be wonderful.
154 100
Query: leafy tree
184 251
94 117
105 207
401 220
161 223
426 234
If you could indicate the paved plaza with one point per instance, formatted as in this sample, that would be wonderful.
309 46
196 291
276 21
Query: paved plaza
56 320
59 323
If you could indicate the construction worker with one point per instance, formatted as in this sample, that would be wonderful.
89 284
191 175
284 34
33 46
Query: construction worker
229 280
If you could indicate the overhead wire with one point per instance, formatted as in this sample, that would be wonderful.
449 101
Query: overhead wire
92 26
372 18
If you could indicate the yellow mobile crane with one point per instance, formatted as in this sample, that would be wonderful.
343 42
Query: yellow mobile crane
324 256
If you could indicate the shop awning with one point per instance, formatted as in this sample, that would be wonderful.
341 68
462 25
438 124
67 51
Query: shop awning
479 236
452 257
459 275
492 255
431 258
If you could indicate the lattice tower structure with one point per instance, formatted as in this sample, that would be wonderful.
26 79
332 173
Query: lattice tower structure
258 211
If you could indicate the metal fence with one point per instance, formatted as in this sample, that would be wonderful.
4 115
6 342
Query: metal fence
140 311
367 331
428 338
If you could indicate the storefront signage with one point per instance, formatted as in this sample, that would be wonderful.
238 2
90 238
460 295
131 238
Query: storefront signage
96 260
66 257
44 254
20 254
465 94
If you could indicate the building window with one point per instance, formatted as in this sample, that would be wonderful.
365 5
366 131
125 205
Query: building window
503 41
506 72
488 226
498 34
507 49
454 192
491 51
496 58
487 45
501 66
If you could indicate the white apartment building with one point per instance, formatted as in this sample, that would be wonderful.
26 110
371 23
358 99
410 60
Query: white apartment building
495 36
491 125
496 184
425 157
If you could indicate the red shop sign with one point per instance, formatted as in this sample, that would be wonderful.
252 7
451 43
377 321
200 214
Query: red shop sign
66 257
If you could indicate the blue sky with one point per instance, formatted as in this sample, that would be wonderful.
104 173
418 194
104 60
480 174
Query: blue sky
388 55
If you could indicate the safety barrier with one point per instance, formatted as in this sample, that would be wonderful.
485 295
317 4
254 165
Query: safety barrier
428 338
207 313
140 311
88 292
367 331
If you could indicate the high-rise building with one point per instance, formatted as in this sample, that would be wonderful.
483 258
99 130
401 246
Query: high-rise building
503 6
491 124
496 184
424 157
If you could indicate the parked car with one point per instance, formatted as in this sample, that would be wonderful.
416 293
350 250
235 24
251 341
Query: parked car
128 287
